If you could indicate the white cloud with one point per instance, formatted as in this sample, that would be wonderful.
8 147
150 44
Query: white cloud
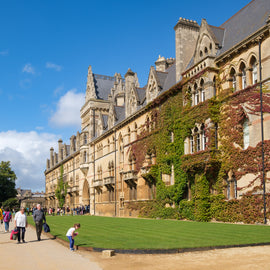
53 66
58 90
39 128
27 153
28 68
68 110
4 53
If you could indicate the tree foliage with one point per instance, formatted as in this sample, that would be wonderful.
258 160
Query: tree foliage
7 181
61 189
12 203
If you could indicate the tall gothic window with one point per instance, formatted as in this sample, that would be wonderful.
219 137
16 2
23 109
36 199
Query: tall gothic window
233 79
254 74
254 70
246 134
191 140
243 76
202 91
198 139
197 95
203 137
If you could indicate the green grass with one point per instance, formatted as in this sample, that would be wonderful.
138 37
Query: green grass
127 233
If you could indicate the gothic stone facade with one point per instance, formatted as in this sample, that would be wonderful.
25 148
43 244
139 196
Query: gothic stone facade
99 164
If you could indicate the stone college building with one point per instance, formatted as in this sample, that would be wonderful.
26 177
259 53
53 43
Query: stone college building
198 114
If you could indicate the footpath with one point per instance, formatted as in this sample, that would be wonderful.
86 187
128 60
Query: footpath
46 254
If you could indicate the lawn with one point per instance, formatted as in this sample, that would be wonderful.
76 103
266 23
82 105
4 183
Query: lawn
127 233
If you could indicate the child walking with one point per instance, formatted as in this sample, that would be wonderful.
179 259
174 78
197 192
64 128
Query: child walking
71 234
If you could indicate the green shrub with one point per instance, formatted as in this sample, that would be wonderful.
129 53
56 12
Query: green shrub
186 209
202 199
158 209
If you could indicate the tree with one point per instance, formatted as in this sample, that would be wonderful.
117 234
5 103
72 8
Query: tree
61 188
12 203
7 181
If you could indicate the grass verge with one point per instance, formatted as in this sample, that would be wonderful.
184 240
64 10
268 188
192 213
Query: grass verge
127 233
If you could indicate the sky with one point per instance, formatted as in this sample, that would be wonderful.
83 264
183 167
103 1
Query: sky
46 48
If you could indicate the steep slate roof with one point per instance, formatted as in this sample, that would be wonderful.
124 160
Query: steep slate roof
218 33
141 94
245 22
105 120
161 77
103 85
171 78
120 114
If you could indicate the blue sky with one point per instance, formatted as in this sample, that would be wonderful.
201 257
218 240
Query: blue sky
46 48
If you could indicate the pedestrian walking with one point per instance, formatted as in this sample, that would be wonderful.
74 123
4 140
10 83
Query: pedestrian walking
38 217
7 217
20 223
71 234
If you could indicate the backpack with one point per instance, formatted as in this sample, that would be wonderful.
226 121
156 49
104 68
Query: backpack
7 217
46 227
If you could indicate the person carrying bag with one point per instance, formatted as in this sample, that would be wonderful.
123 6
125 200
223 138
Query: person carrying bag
38 217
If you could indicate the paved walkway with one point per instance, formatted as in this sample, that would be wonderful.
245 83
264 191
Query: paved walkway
34 255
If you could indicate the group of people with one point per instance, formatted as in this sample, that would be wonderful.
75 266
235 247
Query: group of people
20 221
79 210
20 224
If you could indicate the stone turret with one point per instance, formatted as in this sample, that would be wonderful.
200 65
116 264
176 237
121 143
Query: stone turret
60 151
51 157
162 63
90 86
131 80
186 35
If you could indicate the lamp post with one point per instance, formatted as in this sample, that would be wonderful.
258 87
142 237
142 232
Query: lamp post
262 131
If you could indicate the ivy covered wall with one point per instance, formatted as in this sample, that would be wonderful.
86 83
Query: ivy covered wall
199 188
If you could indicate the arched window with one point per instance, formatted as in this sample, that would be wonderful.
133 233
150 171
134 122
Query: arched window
243 76
191 140
201 54
85 139
198 141
202 91
197 95
233 79
203 137
84 157
246 133
205 50
254 70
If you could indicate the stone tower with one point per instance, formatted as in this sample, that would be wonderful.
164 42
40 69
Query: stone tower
186 34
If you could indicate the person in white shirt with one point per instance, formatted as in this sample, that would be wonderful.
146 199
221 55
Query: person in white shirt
20 222
71 234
